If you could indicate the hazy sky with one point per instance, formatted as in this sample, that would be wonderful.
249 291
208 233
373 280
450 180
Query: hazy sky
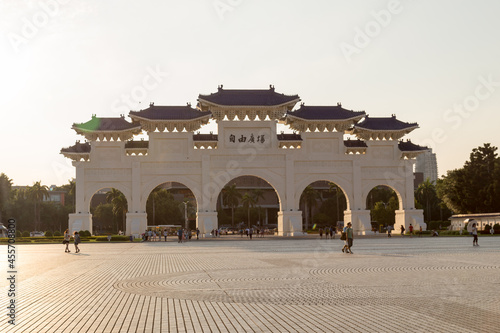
436 63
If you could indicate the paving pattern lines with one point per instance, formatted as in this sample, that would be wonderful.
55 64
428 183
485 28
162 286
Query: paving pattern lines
304 286
92 291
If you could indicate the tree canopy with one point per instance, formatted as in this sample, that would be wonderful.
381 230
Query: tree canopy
475 188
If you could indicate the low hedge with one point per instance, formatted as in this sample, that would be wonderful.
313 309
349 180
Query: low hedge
113 239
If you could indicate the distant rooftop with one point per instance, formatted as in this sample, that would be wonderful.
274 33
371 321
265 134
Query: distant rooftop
248 97
384 124
154 112
105 124
336 112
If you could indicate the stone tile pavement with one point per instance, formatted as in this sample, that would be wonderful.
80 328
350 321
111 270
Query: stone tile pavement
263 285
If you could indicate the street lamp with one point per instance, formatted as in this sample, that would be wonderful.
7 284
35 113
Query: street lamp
185 215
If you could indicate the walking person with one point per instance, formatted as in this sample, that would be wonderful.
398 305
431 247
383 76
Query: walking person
411 230
344 237
250 232
332 233
320 233
67 237
474 234
389 230
197 233
165 234
76 237
350 237
179 234
402 230
420 233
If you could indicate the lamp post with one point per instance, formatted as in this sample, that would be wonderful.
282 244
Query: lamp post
337 197
185 215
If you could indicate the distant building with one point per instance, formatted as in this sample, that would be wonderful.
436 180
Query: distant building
418 178
55 196
457 221
427 165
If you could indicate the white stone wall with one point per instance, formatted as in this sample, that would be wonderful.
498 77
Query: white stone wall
172 157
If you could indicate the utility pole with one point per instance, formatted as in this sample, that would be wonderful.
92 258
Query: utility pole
185 214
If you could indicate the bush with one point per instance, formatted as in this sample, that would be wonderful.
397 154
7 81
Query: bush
48 233
26 234
449 233
84 233
19 234
57 233
496 227
120 238
113 239
434 225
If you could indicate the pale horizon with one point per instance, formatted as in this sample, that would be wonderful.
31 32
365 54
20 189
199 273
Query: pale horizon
435 64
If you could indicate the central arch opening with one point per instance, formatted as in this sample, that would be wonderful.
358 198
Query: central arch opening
382 201
248 201
322 204
171 204
109 208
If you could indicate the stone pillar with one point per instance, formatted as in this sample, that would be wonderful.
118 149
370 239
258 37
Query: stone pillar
206 222
80 206
415 217
136 224
81 221
360 219
290 223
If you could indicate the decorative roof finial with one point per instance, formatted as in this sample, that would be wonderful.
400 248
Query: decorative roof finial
220 87
393 115
271 87
339 104
189 104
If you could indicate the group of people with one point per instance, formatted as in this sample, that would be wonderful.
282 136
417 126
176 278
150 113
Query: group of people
183 235
153 236
329 232
76 240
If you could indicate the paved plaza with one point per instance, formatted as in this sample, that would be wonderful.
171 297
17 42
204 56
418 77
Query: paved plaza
264 285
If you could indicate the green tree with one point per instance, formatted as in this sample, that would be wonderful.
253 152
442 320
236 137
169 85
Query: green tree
257 195
166 208
120 206
384 213
70 190
5 192
310 198
37 193
333 206
230 197
427 197
248 201
103 215
475 188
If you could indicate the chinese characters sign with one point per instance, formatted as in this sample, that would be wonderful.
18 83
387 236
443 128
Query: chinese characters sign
252 139
258 138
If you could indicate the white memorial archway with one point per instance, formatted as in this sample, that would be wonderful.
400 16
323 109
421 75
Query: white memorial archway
247 143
